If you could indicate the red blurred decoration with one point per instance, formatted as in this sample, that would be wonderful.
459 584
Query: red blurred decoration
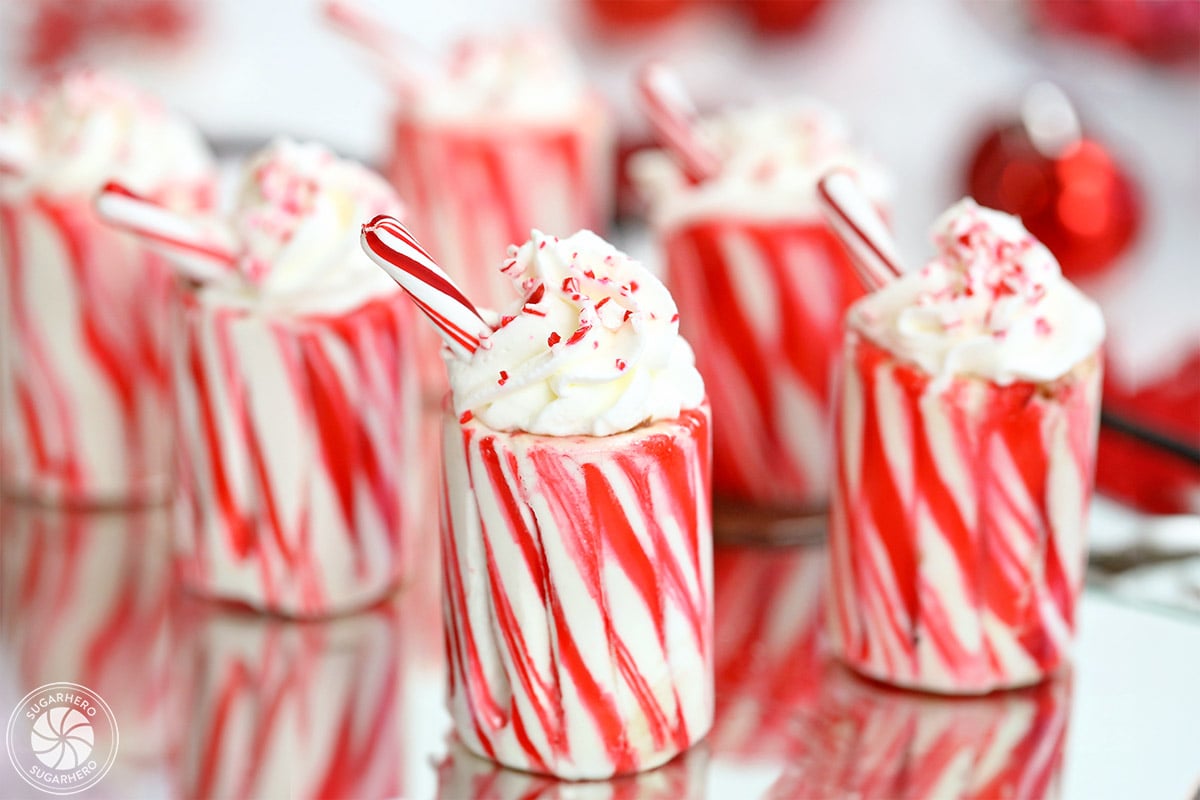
1081 203
633 15
1134 470
61 29
780 16
1164 31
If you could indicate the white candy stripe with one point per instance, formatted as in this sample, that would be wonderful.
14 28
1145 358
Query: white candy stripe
13 159
296 454
579 644
197 252
853 217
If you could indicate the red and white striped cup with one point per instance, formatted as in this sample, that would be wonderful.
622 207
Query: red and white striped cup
957 526
761 303
474 189
298 454
84 337
577 595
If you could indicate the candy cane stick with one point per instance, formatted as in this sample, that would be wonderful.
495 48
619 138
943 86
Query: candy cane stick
381 42
856 222
392 247
672 114
196 251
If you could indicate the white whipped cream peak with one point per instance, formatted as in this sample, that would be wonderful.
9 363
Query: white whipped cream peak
88 128
298 216
528 76
590 348
771 159
993 303
294 229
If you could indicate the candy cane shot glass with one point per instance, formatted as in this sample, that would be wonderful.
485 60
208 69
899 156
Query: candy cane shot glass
761 282
297 453
957 528
85 332
577 575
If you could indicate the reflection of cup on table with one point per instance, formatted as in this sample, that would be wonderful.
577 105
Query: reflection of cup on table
86 598
866 740
466 776
768 637
84 310
290 709
761 285
966 432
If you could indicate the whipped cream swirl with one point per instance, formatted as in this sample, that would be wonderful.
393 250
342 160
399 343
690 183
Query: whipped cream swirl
529 77
992 304
88 128
295 226
771 158
298 215
592 347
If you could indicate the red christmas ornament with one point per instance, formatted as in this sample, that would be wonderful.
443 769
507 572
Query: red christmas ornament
1165 31
1149 450
780 16
633 15
1067 189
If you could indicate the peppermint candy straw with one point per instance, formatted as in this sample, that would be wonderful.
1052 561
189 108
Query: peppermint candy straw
672 114
381 42
860 228
194 250
392 247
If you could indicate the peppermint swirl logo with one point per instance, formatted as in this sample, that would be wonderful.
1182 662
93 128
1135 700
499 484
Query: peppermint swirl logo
62 738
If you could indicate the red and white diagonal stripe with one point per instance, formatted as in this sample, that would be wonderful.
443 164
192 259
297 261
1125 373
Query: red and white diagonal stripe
761 305
578 595
84 325
275 709
474 192
957 525
297 445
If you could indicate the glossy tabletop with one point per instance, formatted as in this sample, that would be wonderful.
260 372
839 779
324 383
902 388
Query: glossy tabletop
215 702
